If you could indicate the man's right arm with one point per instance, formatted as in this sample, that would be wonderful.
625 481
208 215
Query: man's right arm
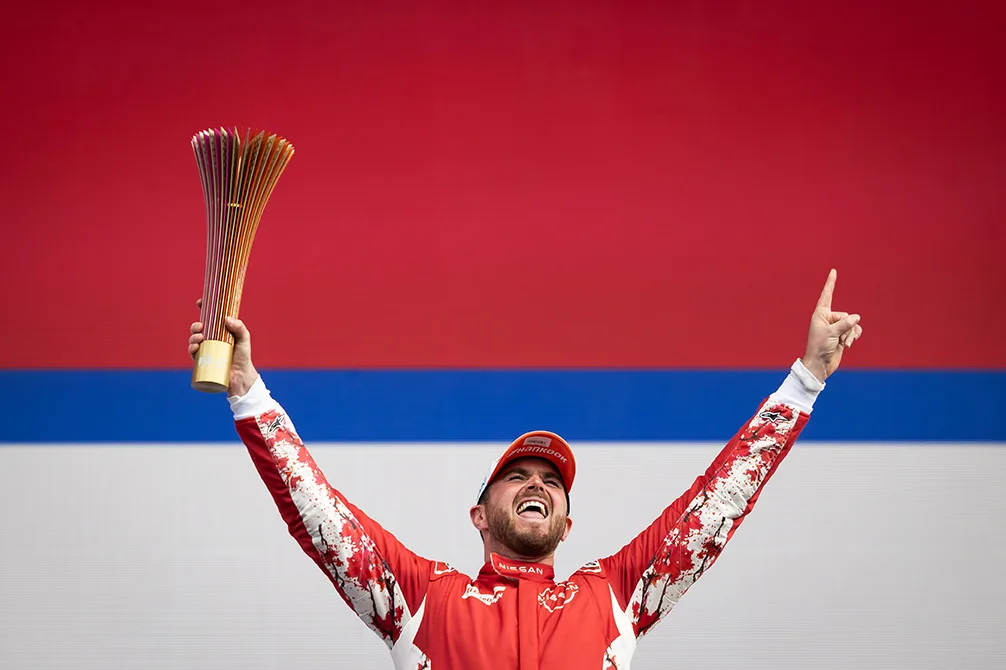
375 574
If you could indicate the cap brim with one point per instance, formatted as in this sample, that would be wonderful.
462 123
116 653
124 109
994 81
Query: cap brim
537 444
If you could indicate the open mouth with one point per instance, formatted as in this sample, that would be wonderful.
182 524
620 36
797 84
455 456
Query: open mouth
532 509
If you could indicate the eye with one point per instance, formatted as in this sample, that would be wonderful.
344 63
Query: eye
553 482
514 476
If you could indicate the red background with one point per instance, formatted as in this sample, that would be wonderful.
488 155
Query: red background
512 184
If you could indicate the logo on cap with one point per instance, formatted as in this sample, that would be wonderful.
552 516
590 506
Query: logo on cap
538 441
535 449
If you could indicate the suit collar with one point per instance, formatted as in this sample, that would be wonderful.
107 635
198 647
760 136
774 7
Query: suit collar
512 569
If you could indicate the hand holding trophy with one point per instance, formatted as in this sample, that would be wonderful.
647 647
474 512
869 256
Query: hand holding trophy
238 176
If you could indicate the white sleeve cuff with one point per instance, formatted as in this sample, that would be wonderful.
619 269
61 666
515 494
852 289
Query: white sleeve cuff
256 401
800 388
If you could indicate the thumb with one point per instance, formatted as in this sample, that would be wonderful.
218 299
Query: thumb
239 330
846 324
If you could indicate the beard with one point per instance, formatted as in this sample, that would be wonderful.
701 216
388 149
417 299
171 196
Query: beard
531 541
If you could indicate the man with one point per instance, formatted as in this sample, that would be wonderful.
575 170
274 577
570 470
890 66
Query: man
514 614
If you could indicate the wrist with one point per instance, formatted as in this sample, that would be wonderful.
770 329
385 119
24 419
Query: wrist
242 382
800 389
255 401
816 367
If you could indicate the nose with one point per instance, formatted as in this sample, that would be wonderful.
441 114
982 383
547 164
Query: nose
535 482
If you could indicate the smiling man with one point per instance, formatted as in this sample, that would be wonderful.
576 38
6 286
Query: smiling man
514 614
524 513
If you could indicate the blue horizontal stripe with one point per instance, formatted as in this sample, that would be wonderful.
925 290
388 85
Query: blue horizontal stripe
497 405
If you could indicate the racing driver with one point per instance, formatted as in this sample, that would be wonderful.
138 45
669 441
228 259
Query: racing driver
514 614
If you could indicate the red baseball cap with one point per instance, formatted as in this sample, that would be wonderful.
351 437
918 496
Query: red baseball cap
539 444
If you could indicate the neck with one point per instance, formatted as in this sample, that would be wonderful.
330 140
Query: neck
491 547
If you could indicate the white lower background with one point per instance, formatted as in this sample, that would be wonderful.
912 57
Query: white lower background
146 556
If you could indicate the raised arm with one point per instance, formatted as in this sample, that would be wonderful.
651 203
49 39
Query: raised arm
651 573
378 577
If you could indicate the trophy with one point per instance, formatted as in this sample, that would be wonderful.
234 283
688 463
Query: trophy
238 176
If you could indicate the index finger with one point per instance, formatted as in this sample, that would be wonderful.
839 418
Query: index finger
829 289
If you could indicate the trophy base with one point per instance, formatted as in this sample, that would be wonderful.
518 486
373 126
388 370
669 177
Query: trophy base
212 371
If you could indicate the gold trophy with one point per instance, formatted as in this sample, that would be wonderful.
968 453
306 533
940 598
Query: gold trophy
238 176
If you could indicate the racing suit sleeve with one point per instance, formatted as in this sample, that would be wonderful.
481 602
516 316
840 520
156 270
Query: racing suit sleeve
650 574
378 577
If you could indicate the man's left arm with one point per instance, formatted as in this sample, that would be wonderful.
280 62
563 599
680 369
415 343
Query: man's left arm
650 574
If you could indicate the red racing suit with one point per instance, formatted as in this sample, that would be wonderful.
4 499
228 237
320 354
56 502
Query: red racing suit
514 615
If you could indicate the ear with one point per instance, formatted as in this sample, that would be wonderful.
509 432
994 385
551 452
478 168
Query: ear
569 526
478 516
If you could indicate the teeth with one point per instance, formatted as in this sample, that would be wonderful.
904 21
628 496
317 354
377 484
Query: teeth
531 504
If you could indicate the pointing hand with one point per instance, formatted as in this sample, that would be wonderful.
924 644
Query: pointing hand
831 333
